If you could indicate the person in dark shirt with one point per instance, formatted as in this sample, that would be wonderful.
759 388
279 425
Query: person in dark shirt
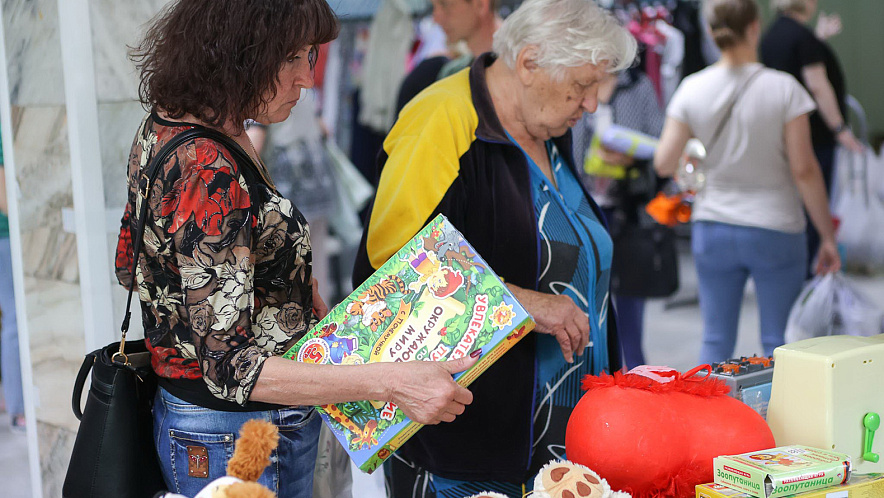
621 184
790 46
471 21
423 75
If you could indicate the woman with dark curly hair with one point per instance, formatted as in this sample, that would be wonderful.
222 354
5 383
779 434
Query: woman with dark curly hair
224 275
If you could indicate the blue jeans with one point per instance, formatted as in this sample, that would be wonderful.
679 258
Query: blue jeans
726 255
10 363
182 430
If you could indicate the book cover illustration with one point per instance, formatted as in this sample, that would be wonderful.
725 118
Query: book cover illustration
434 300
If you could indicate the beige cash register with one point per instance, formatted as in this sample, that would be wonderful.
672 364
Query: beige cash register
828 392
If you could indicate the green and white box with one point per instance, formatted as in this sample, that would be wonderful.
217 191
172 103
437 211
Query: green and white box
782 471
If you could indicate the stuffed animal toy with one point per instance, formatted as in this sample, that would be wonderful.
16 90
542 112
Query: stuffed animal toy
655 433
257 440
564 479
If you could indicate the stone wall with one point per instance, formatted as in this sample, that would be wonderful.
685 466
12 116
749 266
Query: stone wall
54 307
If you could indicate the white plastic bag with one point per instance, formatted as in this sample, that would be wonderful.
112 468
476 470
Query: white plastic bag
353 192
876 174
331 475
355 186
861 211
830 305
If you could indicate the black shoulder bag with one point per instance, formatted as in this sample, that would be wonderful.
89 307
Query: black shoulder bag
114 453
645 262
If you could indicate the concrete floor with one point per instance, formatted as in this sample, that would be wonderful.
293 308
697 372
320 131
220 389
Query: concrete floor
673 334
672 337
13 461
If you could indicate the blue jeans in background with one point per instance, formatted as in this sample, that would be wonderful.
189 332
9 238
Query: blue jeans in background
727 255
10 363
630 326
179 424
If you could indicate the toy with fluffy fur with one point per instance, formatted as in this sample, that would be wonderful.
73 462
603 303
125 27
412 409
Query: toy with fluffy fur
564 479
257 440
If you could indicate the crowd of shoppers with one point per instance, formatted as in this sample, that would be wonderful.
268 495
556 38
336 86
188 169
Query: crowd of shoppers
760 169
227 272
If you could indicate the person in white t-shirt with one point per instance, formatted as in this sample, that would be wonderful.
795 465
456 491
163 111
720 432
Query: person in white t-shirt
747 220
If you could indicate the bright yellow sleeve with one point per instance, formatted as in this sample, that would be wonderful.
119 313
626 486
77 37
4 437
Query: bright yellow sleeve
424 149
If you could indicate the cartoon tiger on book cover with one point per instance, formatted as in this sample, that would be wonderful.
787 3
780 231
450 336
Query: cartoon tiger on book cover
371 304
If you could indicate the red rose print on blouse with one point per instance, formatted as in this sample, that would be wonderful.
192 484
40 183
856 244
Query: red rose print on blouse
206 195
123 258
218 297
203 152
168 363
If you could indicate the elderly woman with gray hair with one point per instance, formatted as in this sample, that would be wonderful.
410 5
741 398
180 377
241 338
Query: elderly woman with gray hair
490 148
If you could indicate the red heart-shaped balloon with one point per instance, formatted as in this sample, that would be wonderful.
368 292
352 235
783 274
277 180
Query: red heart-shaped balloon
658 439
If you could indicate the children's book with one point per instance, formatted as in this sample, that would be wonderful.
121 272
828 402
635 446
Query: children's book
436 299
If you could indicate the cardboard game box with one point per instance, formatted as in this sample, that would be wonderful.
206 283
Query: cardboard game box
859 486
782 471
434 300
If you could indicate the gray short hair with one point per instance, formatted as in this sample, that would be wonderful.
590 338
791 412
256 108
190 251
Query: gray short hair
792 6
567 33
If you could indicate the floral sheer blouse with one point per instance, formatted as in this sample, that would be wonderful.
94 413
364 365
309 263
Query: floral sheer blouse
223 286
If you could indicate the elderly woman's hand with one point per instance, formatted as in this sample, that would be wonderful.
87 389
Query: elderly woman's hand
425 390
557 316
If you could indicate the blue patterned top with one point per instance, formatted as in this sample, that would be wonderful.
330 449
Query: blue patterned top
575 261
575 249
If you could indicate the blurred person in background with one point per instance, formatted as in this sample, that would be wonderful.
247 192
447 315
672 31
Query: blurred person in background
747 220
472 22
490 148
622 186
789 45
298 163
10 361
